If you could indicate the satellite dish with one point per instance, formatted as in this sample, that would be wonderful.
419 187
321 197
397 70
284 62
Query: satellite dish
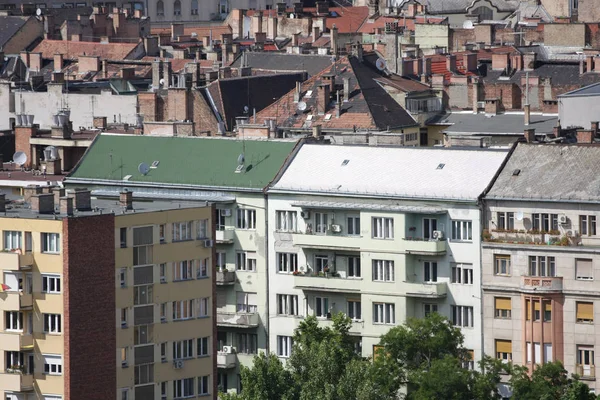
38 12
20 158
162 82
301 106
380 64
292 16
143 168
246 109
241 159
468 24
519 215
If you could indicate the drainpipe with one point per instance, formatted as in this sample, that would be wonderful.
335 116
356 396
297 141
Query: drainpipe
268 322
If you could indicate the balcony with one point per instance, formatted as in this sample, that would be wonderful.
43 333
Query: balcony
327 242
16 301
586 372
237 320
224 237
326 284
16 381
13 261
542 284
424 247
226 360
224 278
356 328
16 341
432 290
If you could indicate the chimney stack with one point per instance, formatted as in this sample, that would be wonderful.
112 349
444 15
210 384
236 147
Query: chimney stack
451 62
257 21
42 203
297 92
316 33
527 112
58 62
83 199
316 131
346 88
58 193
589 63
585 136
126 199
66 205
529 60
529 135
323 98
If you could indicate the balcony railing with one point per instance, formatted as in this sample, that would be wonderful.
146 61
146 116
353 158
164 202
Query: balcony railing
542 284
426 290
225 278
16 341
226 360
586 371
237 320
326 284
15 261
424 246
224 237
15 380
356 327
17 301
327 241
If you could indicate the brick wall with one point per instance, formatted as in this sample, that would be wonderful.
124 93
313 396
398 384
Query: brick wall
22 136
89 365
458 38
32 30
202 115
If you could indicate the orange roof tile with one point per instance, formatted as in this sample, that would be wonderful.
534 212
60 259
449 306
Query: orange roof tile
371 26
72 50
200 31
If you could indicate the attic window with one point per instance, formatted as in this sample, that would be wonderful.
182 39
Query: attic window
308 93
516 172
345 162
327 117
309 117
441 166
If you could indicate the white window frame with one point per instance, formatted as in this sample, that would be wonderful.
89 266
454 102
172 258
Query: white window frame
287 263
243 302
183 270
429 308
505 220
284 346
12 240
585 353
245 261
353 225
202 268
52 323
183 349
321 307
321 223
584 277
429 225
51 284
383 271
354 267
462 230
123 277
462 316
247 343
246 218
220 221
203 385
182 231
502 261
286 221
382 228
462 274
202 305
221 259
203 346
13 321
430 274
384 313
52 364
183 388
163 352
51 243
321 262
182 310
355 310
202 229
287 304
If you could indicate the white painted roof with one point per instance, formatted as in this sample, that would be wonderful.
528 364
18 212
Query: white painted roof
399 172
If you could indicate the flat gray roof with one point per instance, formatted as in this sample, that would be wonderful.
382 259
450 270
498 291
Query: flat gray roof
589 90
501 124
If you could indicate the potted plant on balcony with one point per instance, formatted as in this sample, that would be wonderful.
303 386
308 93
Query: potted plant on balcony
326 271
15 369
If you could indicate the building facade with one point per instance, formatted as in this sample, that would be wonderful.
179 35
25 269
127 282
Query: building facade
540 260
144 270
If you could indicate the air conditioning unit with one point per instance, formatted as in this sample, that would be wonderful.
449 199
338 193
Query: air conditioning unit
302 268
124 364
437 235
571 233
336 228
163 319
228 349
178 364
481 104
305 214
208 243
163 279
226 212
562 219
123 324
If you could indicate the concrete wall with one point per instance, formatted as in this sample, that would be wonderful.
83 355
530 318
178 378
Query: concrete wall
564 35
578 111
428 36
557 8
588 11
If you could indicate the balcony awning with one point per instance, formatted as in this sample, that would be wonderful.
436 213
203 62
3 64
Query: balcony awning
334 205
28 347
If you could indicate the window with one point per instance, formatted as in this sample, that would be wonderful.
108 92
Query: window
221 260
177 7
383 271
246 219
142 255
502 264
246 261
28 242
183 388
142 295
383 228
504 350
503 307
286 221
163 312
320 222
12 240
124 312
52 323
542 266
321 262
124 391
202 347
163 352
506 220
430 308
50 243
354 310
123 277
536 357
462 316
182 309
353 267
247 343
144 374
202 305
182 349
183 270
584 312
160 8
287 263
587 225
50 284
247 302
143 334
469 362
583 269
202 228
14 358
221 214
284 346
547 310
548 352
162 233
384 313
13 321
203 386
123 356
287 304
429 271
462 273
182 231
545 222
462 230
322 307
123 237
353 225
585 361
202 269
224 7
537 312
429 225
52 364
194 7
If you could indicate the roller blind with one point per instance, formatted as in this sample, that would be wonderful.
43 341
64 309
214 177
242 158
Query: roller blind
547 306
583 269
503 346
585 311
536 305
528 308
503 303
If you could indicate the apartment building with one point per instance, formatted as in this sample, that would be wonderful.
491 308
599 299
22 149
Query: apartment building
380 234
540 258
106 298
230 173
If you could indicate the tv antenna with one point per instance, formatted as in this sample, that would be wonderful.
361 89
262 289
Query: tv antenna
143 168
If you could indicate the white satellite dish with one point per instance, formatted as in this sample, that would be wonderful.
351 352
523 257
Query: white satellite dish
20 158
519 215
241 159
301 106
143 168
292 16
38 12
468 24
380 64
161 82
246 109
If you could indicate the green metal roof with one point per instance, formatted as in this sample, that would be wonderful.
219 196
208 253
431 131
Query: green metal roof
183 161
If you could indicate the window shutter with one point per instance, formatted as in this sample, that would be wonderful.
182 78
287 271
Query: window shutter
536 305
528 308
585 311
583 268
503 303
503 346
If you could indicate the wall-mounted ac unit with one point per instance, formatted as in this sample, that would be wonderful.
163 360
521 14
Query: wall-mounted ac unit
123 324
571 233
178 364
163 279
228 349
562 219
336 228
305 214
226 212
437 235
124 364
208 243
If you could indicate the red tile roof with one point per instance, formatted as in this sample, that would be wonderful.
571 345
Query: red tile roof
371 26
72 50
438 61
200 31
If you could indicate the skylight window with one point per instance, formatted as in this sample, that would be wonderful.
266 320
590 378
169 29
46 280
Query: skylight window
308 93
327 117
441 166
345 162
516 172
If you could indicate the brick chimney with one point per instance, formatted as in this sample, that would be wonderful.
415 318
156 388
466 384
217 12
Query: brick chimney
66 205
492 106
529 60
35 61
42 203
323 98
316 33
176 30
334 39
25 58
257 21
295 37
527 114
272 27
298 92
58 193
470 61
500 61
83 199
529 135
316 131
451 62
58 62
260 37
585 136
126 199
